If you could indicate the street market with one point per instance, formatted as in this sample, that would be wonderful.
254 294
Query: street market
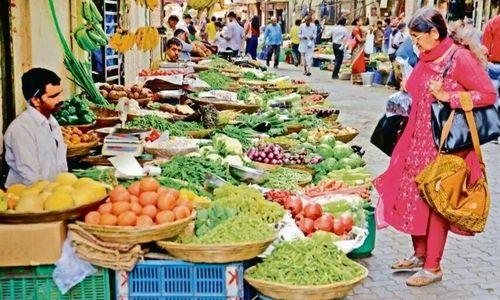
214 150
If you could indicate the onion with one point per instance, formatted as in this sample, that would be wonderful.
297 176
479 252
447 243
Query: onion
294 204
270 155
313 211
274 161
306 225
266 160
263 154
324 223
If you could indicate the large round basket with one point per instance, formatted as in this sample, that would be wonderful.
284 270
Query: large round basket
346 138
81 149
216 253
137 235
309 292
224 105
106 117
49 216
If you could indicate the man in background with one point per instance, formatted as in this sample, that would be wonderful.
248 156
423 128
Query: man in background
294 38
234 34
273 38
378 35
172 22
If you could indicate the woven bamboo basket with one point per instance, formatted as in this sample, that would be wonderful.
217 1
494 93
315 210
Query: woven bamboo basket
85 127
81 149
224 105
294 128
136 235
265 167
143 102
310 292
346 138
105 117
216 253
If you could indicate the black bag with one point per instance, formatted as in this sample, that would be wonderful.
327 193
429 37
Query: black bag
487 122
388 131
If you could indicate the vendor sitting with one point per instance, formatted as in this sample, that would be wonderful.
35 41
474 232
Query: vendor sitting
34 145
187 47
173 50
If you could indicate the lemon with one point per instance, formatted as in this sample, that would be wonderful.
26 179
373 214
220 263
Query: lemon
66 178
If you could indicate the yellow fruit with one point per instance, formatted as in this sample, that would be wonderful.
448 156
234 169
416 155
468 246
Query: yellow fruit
83 181
16 189
51 186
2 193
41 184
44 196
98 189
30 191
66 178
58 201
82 197
29 203
64 189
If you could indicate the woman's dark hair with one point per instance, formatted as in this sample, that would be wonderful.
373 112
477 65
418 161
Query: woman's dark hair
231 14
218 24
341 21
316 22
214 19
255 22
427 18
355 21
387 21
298 22
35 80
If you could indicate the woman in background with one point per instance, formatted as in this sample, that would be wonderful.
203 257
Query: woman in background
252 36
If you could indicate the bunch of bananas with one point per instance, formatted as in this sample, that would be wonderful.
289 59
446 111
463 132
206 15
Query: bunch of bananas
90 36
147 38
151 4
122 41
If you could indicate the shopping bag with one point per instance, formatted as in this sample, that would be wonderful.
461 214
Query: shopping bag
370 38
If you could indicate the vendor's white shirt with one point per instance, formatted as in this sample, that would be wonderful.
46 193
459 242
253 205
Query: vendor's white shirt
220 41
34 148
234 35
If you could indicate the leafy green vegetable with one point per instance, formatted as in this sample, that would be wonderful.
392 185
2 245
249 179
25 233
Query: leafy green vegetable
341 150
247 201
287 179
311 261
216 79
208 219
243 134
75 111
242 229
178 128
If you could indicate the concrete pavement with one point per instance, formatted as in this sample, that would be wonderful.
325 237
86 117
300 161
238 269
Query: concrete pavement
471 265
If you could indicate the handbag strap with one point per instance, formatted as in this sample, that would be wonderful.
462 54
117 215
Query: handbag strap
467 106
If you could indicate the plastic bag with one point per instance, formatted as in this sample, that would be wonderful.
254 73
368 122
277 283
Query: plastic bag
398 104
70 269
370 38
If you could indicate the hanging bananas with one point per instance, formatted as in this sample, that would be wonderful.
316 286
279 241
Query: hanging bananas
122 41
90 36
147 38
151 4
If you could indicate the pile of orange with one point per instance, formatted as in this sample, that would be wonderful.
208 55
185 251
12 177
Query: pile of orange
145 203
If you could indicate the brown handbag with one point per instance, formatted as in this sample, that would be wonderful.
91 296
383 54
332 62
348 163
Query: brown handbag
443 183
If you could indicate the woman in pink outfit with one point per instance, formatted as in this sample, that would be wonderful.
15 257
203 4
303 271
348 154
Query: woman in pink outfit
400 204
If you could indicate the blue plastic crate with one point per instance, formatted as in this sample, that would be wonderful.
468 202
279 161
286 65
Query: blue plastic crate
179 280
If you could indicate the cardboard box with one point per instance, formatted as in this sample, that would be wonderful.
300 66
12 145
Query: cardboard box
31 244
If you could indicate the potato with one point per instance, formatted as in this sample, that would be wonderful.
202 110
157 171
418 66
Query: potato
113 95
136 95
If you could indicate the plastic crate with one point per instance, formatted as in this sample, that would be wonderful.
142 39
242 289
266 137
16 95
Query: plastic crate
179 280
35 283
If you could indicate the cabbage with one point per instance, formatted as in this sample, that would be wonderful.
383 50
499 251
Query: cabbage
325 151
344 163
330 163
356 161
328 139
341 150
233 160
233 146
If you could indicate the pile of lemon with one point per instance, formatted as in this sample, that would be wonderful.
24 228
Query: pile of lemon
67 191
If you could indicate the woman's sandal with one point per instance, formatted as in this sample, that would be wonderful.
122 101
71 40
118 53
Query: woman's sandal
411 263
424 277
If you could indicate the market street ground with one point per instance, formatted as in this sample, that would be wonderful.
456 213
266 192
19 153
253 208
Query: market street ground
471 265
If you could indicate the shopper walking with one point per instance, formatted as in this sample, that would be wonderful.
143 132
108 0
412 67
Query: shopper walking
400 204
211 30
273 38
358 53
307 35
234 34
397 39
252 35
339 39
294 38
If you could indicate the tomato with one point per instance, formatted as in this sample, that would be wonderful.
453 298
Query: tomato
347 221
338 227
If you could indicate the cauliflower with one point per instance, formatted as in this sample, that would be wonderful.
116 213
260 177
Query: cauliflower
233 146
233 160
